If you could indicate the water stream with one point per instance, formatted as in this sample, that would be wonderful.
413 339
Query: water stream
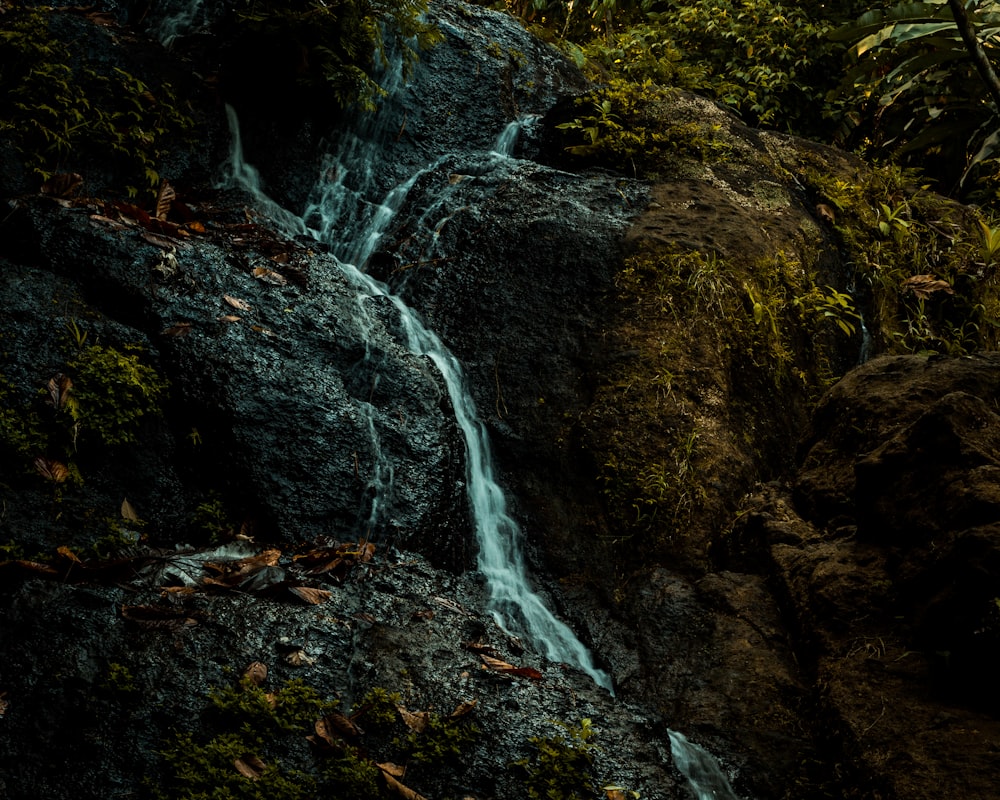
342 214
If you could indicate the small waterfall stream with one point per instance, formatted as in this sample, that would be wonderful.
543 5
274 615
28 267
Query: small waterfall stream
342 214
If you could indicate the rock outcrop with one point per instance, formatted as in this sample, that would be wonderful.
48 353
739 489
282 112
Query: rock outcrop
215 454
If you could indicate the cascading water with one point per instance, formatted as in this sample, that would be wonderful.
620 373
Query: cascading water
342 215
515 605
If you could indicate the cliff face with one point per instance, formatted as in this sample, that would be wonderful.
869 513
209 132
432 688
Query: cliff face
218 451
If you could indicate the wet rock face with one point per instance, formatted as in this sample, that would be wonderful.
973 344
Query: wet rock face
270 403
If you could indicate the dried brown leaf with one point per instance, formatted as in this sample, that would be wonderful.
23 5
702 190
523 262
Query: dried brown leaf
823 211
396 770
178 329
415 720
497 665
195 227
397 788
229 318
4 703
923 286
129 512
337 726
256 673
263 331
235 302
463 708
299 658
101 221
62 184
310 595
65 552
164 197
250 766
54 471
164 242
59 387
269 276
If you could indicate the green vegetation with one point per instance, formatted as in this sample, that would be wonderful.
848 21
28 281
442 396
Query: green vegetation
925 268
442 739
113 391
253 733
618 126
59 111
286 53
560 766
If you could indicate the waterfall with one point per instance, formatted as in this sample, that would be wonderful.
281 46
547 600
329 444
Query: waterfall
516 607
703 773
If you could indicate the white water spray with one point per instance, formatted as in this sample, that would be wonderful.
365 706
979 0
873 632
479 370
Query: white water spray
516 607
703 773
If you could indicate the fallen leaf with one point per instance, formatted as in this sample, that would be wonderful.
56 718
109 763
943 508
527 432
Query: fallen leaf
164 197
4 704
229 318
235 302
269 276
164 242
423 614
62 184
403 791
451 605
310 595
59 386
107 222
195 227
129 512
336 725
923 286
299 658
823 211
178 329
497 665
133 212
395 770
416 721
256 673
54 471
250 766
463 708
263 331
65 552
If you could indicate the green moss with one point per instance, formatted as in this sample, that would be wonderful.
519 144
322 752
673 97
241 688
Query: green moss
119 678
21 427
443 739
210 771
560 766
291 709
349 775
378 706
114 391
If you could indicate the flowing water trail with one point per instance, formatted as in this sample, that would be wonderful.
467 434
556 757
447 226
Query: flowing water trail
342 215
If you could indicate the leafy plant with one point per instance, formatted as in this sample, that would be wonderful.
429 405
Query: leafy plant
287 53
620 126
560 766
58 113
921 91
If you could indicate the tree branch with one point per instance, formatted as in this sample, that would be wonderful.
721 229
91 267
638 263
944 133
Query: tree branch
979 57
